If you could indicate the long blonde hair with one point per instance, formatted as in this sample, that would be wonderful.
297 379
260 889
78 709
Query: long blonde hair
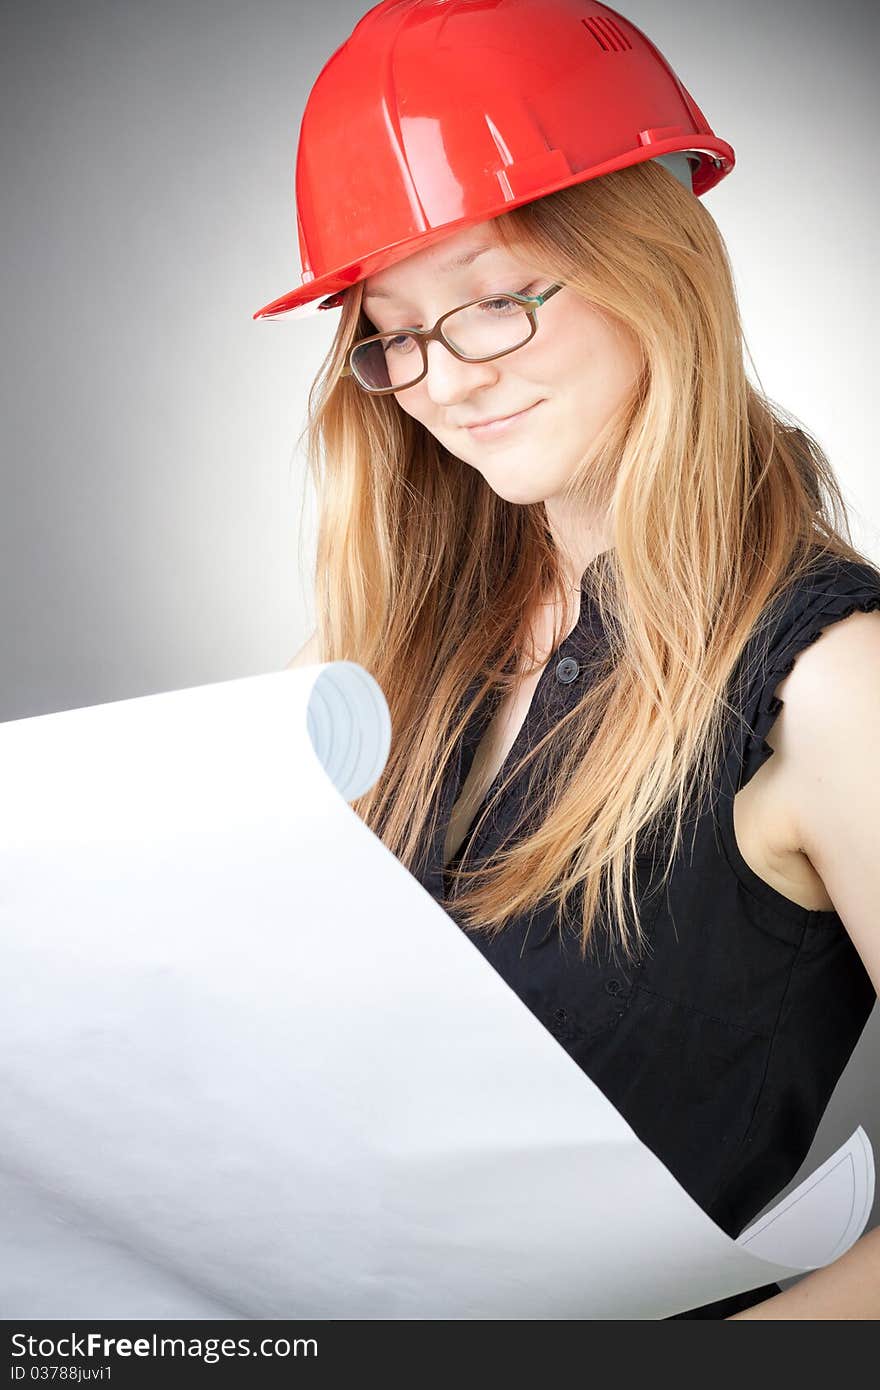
714 503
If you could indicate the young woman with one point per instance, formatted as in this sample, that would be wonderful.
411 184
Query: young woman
600 581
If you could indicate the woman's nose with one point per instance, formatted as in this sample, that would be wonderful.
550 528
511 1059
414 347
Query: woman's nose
449 378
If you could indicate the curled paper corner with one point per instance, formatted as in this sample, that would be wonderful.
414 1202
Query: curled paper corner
349 725
824 1215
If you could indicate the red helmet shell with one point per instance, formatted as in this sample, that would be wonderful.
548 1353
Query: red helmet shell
435 115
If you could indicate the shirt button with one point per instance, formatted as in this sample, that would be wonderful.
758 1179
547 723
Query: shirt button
613 986
567 670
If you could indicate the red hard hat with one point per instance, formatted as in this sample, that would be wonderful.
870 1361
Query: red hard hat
435 115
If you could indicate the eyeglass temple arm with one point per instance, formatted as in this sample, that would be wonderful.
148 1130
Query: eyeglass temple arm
548 294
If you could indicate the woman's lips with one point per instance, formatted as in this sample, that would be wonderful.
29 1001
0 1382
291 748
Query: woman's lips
500 426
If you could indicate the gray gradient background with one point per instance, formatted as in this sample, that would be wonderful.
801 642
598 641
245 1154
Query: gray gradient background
149 529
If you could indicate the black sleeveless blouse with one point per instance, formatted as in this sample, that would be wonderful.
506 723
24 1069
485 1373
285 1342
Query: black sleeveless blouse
722 1045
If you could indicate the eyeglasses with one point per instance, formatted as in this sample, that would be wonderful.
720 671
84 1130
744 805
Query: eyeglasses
474 332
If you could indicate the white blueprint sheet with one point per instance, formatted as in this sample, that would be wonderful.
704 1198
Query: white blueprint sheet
250 1069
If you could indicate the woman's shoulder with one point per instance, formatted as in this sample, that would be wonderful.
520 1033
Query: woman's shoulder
831 588
811 604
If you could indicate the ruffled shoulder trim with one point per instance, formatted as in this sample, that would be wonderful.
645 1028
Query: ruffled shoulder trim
801 614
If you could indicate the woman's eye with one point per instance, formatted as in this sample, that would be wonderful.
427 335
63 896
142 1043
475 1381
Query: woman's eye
503 303
398 344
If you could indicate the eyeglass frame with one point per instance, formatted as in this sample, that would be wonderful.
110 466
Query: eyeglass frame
424 336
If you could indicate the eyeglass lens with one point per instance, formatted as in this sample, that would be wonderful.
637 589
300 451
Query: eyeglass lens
478 331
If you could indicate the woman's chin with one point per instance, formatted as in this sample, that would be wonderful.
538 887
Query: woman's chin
521 492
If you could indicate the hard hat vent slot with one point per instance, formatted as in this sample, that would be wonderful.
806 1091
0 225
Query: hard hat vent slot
608 36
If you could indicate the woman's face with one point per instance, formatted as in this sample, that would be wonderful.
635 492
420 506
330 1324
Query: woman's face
569 378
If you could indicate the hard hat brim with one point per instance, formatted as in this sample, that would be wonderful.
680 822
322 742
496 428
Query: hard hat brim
327 291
